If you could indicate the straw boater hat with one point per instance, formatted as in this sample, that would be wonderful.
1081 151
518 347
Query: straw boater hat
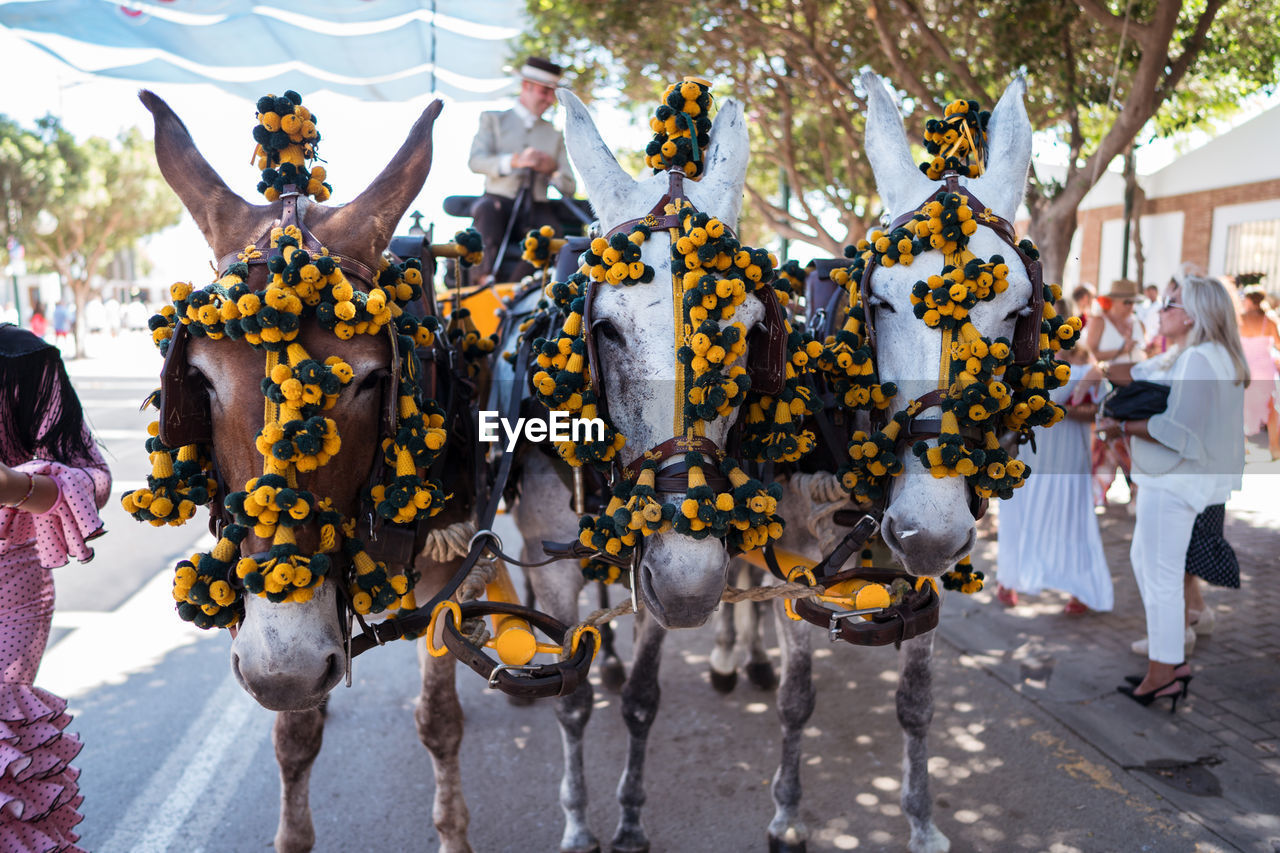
544 72
1125 290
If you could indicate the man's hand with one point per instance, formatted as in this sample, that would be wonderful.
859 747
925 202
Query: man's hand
532 158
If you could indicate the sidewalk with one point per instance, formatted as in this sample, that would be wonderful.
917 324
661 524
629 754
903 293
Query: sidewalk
1218 760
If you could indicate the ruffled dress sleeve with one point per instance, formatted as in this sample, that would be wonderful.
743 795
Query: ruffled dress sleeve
65 529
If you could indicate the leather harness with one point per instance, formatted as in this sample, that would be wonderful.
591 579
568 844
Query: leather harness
918 612
767 371
185 419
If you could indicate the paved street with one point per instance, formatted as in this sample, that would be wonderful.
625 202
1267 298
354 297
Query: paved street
1032 748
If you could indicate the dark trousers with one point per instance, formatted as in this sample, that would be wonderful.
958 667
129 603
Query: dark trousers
490 215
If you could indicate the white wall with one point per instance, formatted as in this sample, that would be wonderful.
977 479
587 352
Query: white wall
1234 214
1161 248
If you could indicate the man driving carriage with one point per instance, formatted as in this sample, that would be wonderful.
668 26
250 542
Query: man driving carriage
520 153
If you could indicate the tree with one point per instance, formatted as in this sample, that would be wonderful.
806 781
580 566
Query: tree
72 204
1100 74
28 175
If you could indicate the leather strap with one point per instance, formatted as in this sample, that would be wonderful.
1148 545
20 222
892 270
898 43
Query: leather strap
677 446
917 614
1026 331
657 218
557 679
184 417
351 268
417 621
767 366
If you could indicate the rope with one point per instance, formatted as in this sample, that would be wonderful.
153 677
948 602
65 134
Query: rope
448 542
821 487
481 575
731 595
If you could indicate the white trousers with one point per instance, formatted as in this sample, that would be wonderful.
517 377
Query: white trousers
1159 557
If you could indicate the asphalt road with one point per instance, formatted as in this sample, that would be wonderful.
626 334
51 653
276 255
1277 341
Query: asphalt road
178 758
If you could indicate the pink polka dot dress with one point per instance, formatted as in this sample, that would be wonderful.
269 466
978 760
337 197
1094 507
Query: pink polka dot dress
39 796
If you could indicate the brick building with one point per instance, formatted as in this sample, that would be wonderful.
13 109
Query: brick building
1217 207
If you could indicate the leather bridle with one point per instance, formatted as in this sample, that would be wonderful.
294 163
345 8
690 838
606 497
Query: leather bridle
185 417
767 371
1026 331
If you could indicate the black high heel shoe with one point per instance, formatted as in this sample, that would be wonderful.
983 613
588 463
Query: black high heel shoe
1145 699
1135 680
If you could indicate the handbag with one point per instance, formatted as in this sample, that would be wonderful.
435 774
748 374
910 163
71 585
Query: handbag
1136 401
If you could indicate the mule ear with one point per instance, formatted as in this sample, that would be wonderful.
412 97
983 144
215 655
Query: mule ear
899 180
1009 153
720 189
216 209
378 209
603 177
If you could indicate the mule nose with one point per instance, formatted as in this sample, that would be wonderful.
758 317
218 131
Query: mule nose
296 688
926 547
682 581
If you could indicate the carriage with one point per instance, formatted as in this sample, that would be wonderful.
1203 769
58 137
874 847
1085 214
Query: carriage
363 492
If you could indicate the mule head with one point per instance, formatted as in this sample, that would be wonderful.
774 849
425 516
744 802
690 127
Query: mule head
289 655
680 579
928 525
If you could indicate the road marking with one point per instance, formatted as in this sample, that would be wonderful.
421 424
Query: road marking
156 816
106 648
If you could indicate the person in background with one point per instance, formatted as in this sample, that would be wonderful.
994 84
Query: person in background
1117 338
38 322
61 322
1185 459
115 315
53 481
1148 314
514 146
1260 336
1066 555
1082 298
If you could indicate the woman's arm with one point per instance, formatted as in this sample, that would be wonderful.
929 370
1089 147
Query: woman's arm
33 493
1093 337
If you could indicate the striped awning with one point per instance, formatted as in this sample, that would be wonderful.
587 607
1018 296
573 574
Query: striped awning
381 50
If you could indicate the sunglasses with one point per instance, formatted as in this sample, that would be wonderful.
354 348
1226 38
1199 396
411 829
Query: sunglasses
1168 302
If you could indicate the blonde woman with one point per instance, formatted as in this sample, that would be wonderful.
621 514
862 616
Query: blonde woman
1186 458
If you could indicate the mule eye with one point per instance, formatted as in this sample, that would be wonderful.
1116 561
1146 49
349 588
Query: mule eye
198 383
1018 312
609 332
878 304
371 381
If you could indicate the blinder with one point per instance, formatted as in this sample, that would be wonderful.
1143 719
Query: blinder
767 341
185 415
1026 330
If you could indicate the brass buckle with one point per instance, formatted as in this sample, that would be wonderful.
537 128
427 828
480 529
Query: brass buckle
650 220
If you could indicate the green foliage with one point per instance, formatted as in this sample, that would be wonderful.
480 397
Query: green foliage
73 203
793 65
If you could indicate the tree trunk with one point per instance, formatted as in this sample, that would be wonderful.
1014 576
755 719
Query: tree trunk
1054 224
